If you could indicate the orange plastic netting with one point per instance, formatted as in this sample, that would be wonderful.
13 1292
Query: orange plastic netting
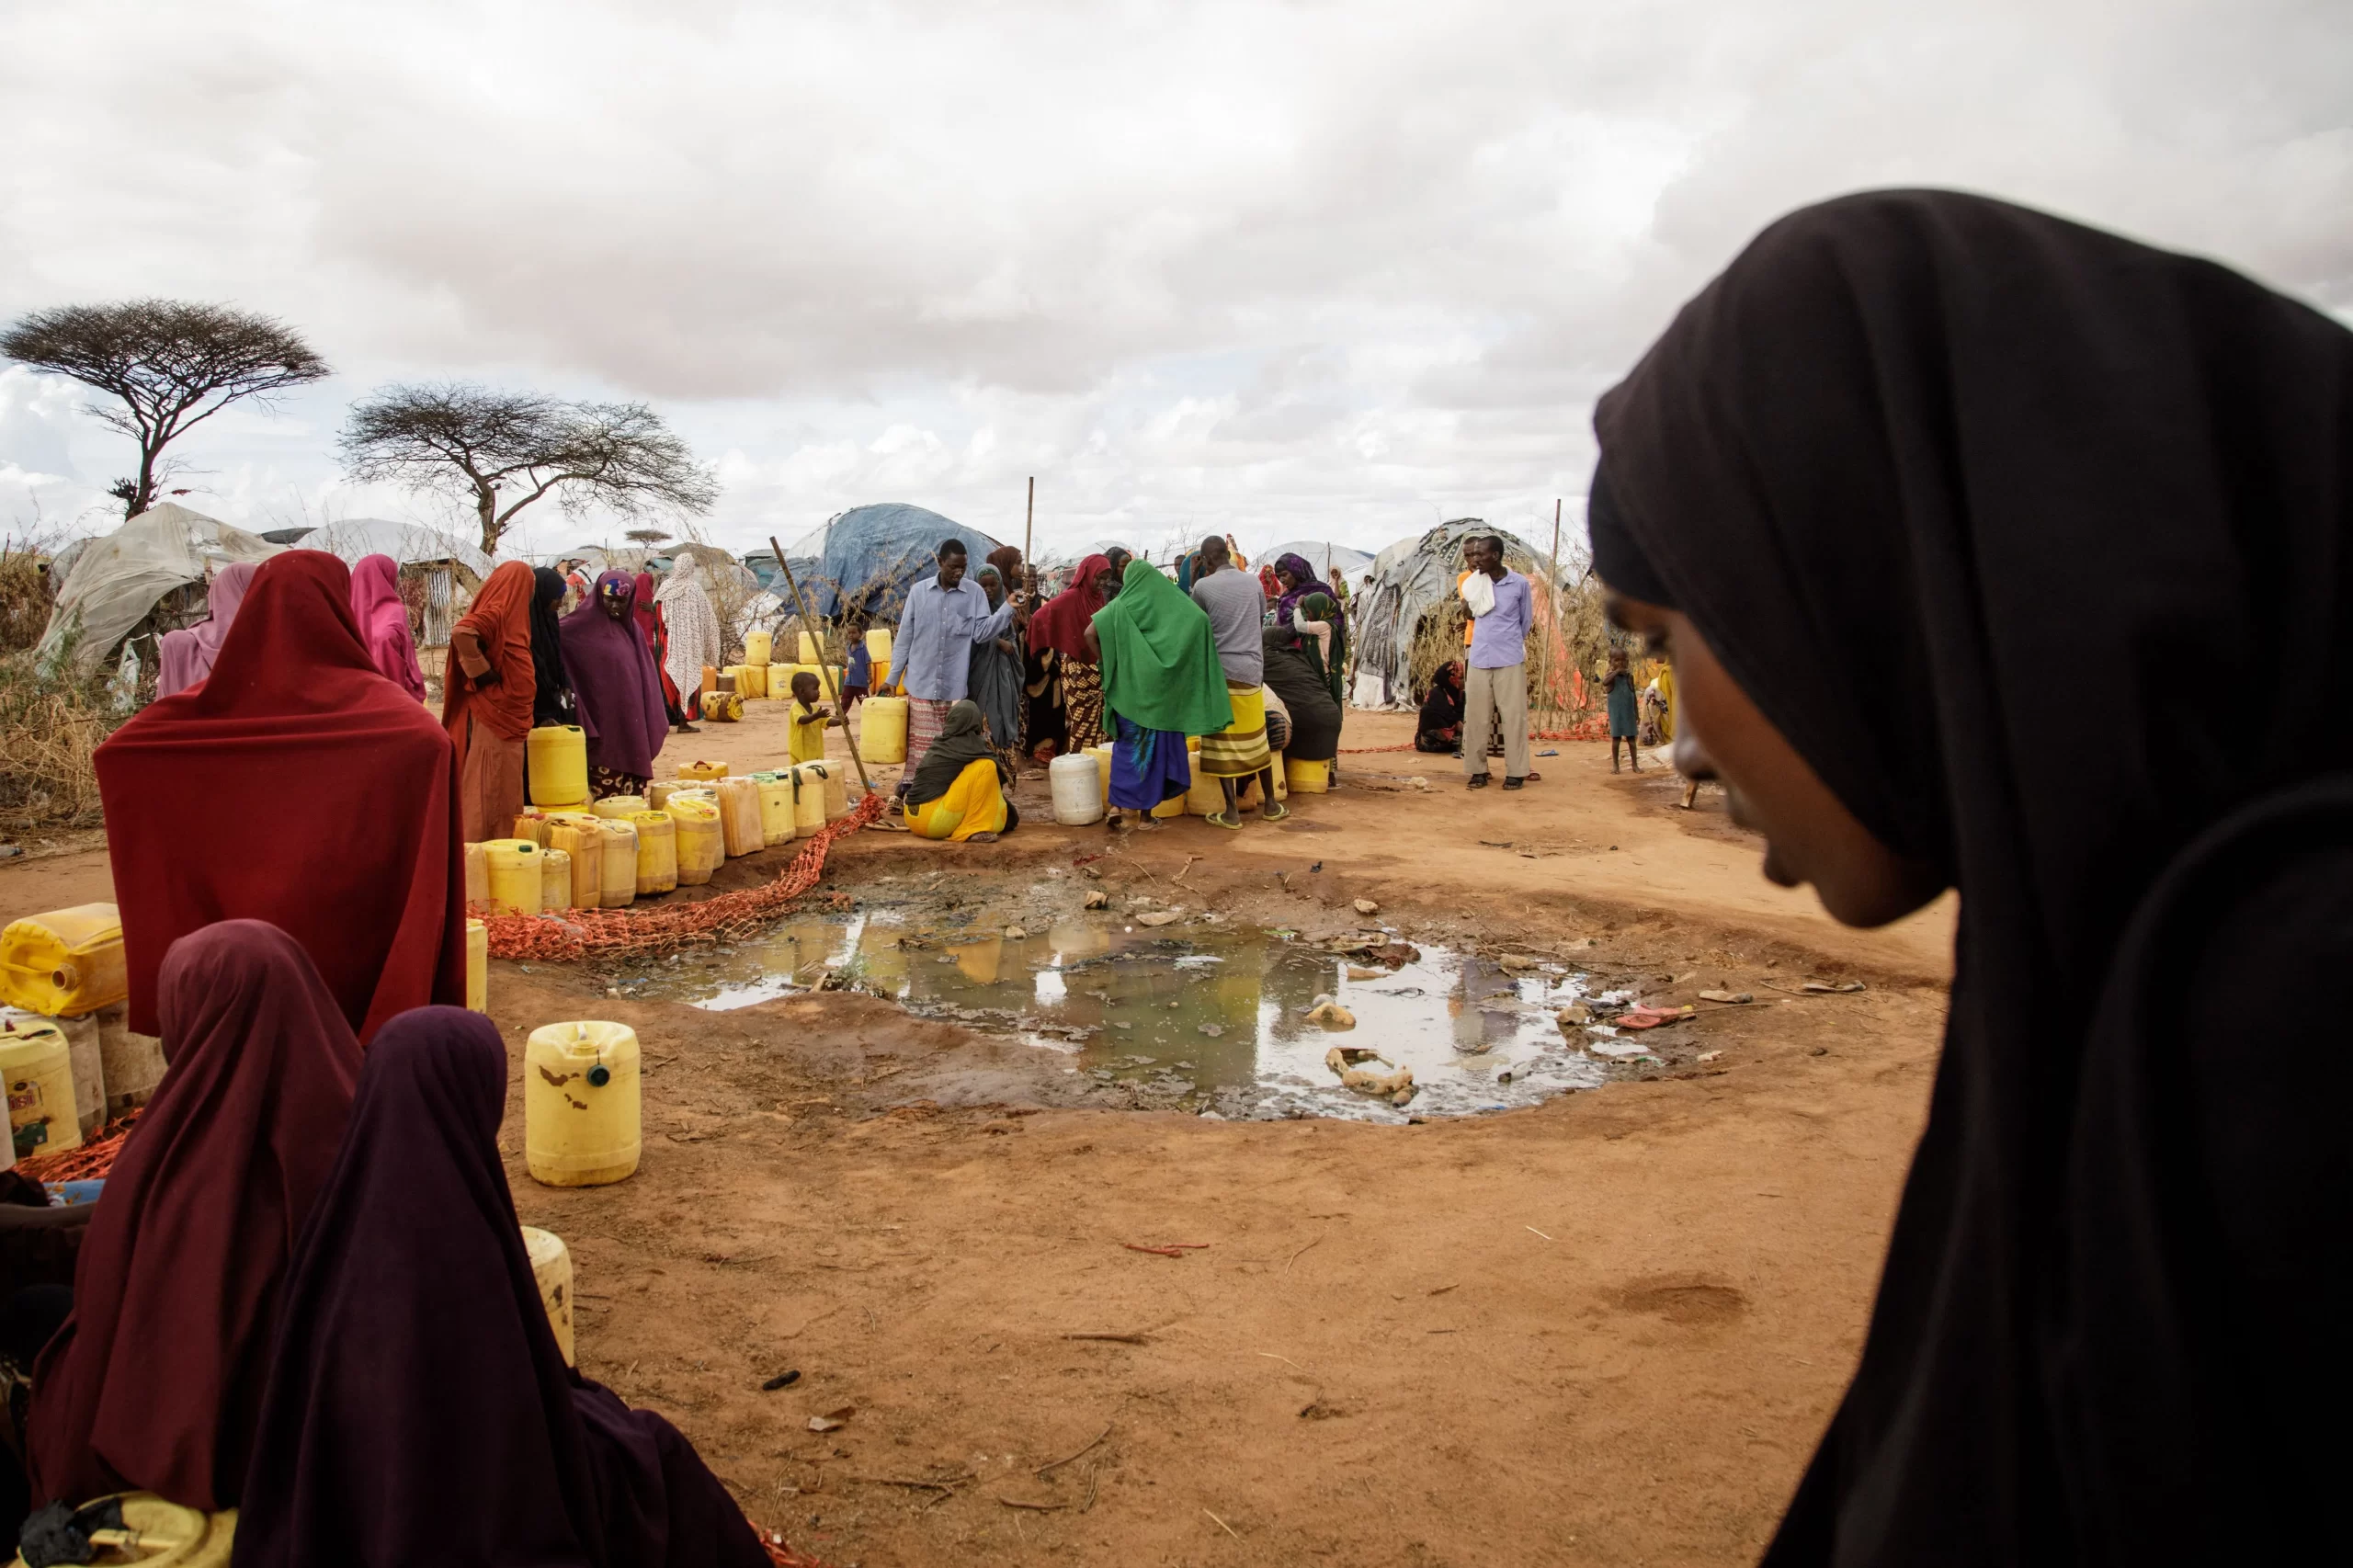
91 1162
619 933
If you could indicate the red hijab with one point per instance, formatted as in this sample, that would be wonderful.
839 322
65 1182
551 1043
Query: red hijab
500 618
328 806
155 1382
649 619
383 622
1060 622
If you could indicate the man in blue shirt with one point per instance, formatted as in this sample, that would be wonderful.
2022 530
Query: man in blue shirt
1501 610
944 618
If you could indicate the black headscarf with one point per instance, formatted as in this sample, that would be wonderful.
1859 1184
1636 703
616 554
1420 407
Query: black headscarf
963 740
2034 542
418 1409
552 700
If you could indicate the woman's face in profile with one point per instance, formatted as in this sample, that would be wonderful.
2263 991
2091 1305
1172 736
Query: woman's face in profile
1810 836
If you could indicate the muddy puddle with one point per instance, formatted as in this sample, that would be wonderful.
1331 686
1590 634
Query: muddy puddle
1171 1007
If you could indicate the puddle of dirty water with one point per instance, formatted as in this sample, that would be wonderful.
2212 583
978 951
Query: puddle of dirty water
1194 1016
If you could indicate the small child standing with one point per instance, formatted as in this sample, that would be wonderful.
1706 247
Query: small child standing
810 719
860 668
1625 722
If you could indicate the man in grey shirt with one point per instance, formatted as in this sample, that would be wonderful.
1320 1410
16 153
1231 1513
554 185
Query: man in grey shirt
1237 611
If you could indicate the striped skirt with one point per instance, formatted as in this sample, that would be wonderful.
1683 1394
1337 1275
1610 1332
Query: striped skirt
1240 749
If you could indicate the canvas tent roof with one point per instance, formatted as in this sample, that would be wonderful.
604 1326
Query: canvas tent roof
410 544
1349 563
1411 579
115 580
874 554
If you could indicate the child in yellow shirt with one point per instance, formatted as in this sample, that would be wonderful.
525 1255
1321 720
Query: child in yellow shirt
810 719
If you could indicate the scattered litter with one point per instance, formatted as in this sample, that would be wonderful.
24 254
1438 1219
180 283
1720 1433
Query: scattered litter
1358 972
1824 987
1160 917
1497 842
1396 1087
1366 906
1331 1015
1539 1232
1553 753
1098 898
1730 998
1167 1249
1709 1055
782 1380
833 1420
1576 1015
1617 1049
1212 1030
1418 782
1015 933
1652 1017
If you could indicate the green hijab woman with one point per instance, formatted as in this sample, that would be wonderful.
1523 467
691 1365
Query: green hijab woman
1331 662
1159 657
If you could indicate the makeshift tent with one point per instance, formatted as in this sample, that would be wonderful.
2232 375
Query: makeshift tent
1332 562
438 571
1411 619
872 555
117 581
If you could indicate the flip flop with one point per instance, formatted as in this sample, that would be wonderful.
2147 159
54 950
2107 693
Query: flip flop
1274 812
1219 819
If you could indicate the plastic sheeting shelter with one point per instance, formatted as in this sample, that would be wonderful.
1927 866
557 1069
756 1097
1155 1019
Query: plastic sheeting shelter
116 581
409 544
1411 622
1321 554
872 555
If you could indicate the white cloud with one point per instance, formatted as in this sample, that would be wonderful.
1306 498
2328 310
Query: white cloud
1290 269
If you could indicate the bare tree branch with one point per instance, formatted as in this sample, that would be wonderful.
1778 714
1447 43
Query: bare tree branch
173 365
490 447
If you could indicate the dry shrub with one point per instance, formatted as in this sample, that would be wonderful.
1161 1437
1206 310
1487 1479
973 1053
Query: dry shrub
1580 641
49 734
25 594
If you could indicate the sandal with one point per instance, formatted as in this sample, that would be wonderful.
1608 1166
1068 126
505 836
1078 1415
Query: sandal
1219 819
1515 783
1476 782
1274 811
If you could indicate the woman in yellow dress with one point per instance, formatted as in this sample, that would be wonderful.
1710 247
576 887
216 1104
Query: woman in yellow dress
957 792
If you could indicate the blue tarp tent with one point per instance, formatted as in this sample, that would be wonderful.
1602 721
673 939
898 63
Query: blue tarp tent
872 555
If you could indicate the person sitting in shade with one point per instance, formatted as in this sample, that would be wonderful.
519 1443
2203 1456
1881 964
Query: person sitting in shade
1237 612
946 616
1439 728
957 791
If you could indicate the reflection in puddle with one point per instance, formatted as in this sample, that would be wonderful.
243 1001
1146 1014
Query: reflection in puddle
1194 1017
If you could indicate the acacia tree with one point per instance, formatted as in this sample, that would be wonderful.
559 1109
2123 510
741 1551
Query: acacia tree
504 451
173 365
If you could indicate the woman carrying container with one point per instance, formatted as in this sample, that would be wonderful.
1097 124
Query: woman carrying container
1162 683
300 787
486 701
957 790
1058 636
417 1409
383 622
155 1382
617 689
1910 454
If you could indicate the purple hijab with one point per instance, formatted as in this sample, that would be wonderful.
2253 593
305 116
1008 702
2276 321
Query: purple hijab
418 1410
614 680
186 657
1305 582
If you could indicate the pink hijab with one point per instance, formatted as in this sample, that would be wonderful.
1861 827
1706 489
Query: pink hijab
383 622
187 656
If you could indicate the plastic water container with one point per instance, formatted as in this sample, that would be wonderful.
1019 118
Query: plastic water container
85 1049
551 1267
752 681
755 648
619 808
66 962
837 784
618 877
1246 791
1308 777
1078 796
776 807
1207 795
702 772
532 825
557 755
657 851
555 880
702 845
580 1104
477 966
878 654
1102 756
739 816
882 730
514 875
581 840
808 800
477 877
132 1062
810 652
37 1069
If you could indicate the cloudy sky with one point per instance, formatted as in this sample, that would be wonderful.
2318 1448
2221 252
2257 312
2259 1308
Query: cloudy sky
1290 270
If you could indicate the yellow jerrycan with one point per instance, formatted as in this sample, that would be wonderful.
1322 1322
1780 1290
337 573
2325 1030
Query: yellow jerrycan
620 874
882 730
776 807
836 787
755 648
619 807
156 1534
1307 777
551 1268
1102 756
581 839
702 772
64 963
808 800
555 880
657 851
477 877
557 755
752 682
877 656
580 1104
1207 797
810 652
514 875
37 1069
702 845
739 816
533 825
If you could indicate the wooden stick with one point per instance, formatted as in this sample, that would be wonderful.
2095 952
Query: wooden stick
1552 575
1028 520
824 670
1045 1469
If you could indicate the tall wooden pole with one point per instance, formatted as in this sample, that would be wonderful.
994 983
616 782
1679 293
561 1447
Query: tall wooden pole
824 670
1028 527
1552 575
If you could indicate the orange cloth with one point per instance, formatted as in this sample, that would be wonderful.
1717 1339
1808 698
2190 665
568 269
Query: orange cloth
1468 626
501 620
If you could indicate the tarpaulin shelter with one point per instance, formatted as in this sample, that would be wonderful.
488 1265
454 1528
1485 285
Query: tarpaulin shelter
118 580
872 555
1333 562
438 571
1411 622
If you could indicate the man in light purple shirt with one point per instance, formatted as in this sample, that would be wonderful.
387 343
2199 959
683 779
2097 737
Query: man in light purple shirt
1501 610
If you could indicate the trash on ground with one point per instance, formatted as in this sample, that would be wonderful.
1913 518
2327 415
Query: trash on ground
1730 998
782 1380
1824 987
1576 1015
1331 1015
1160 917
1366 906
1098 898
1396 1086
1652 1017
833 1420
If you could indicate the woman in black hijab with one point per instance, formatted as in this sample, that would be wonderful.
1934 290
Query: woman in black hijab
417 1408
1295 673
552 698
1913 460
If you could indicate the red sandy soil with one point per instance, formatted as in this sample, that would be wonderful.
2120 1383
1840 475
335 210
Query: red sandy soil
1606 1330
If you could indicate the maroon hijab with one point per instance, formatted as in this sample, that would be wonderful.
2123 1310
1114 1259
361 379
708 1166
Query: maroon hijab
418 1410
155 1382
614 679
1060 622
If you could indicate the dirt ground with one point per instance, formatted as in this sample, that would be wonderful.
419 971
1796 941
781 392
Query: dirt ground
1606 1330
